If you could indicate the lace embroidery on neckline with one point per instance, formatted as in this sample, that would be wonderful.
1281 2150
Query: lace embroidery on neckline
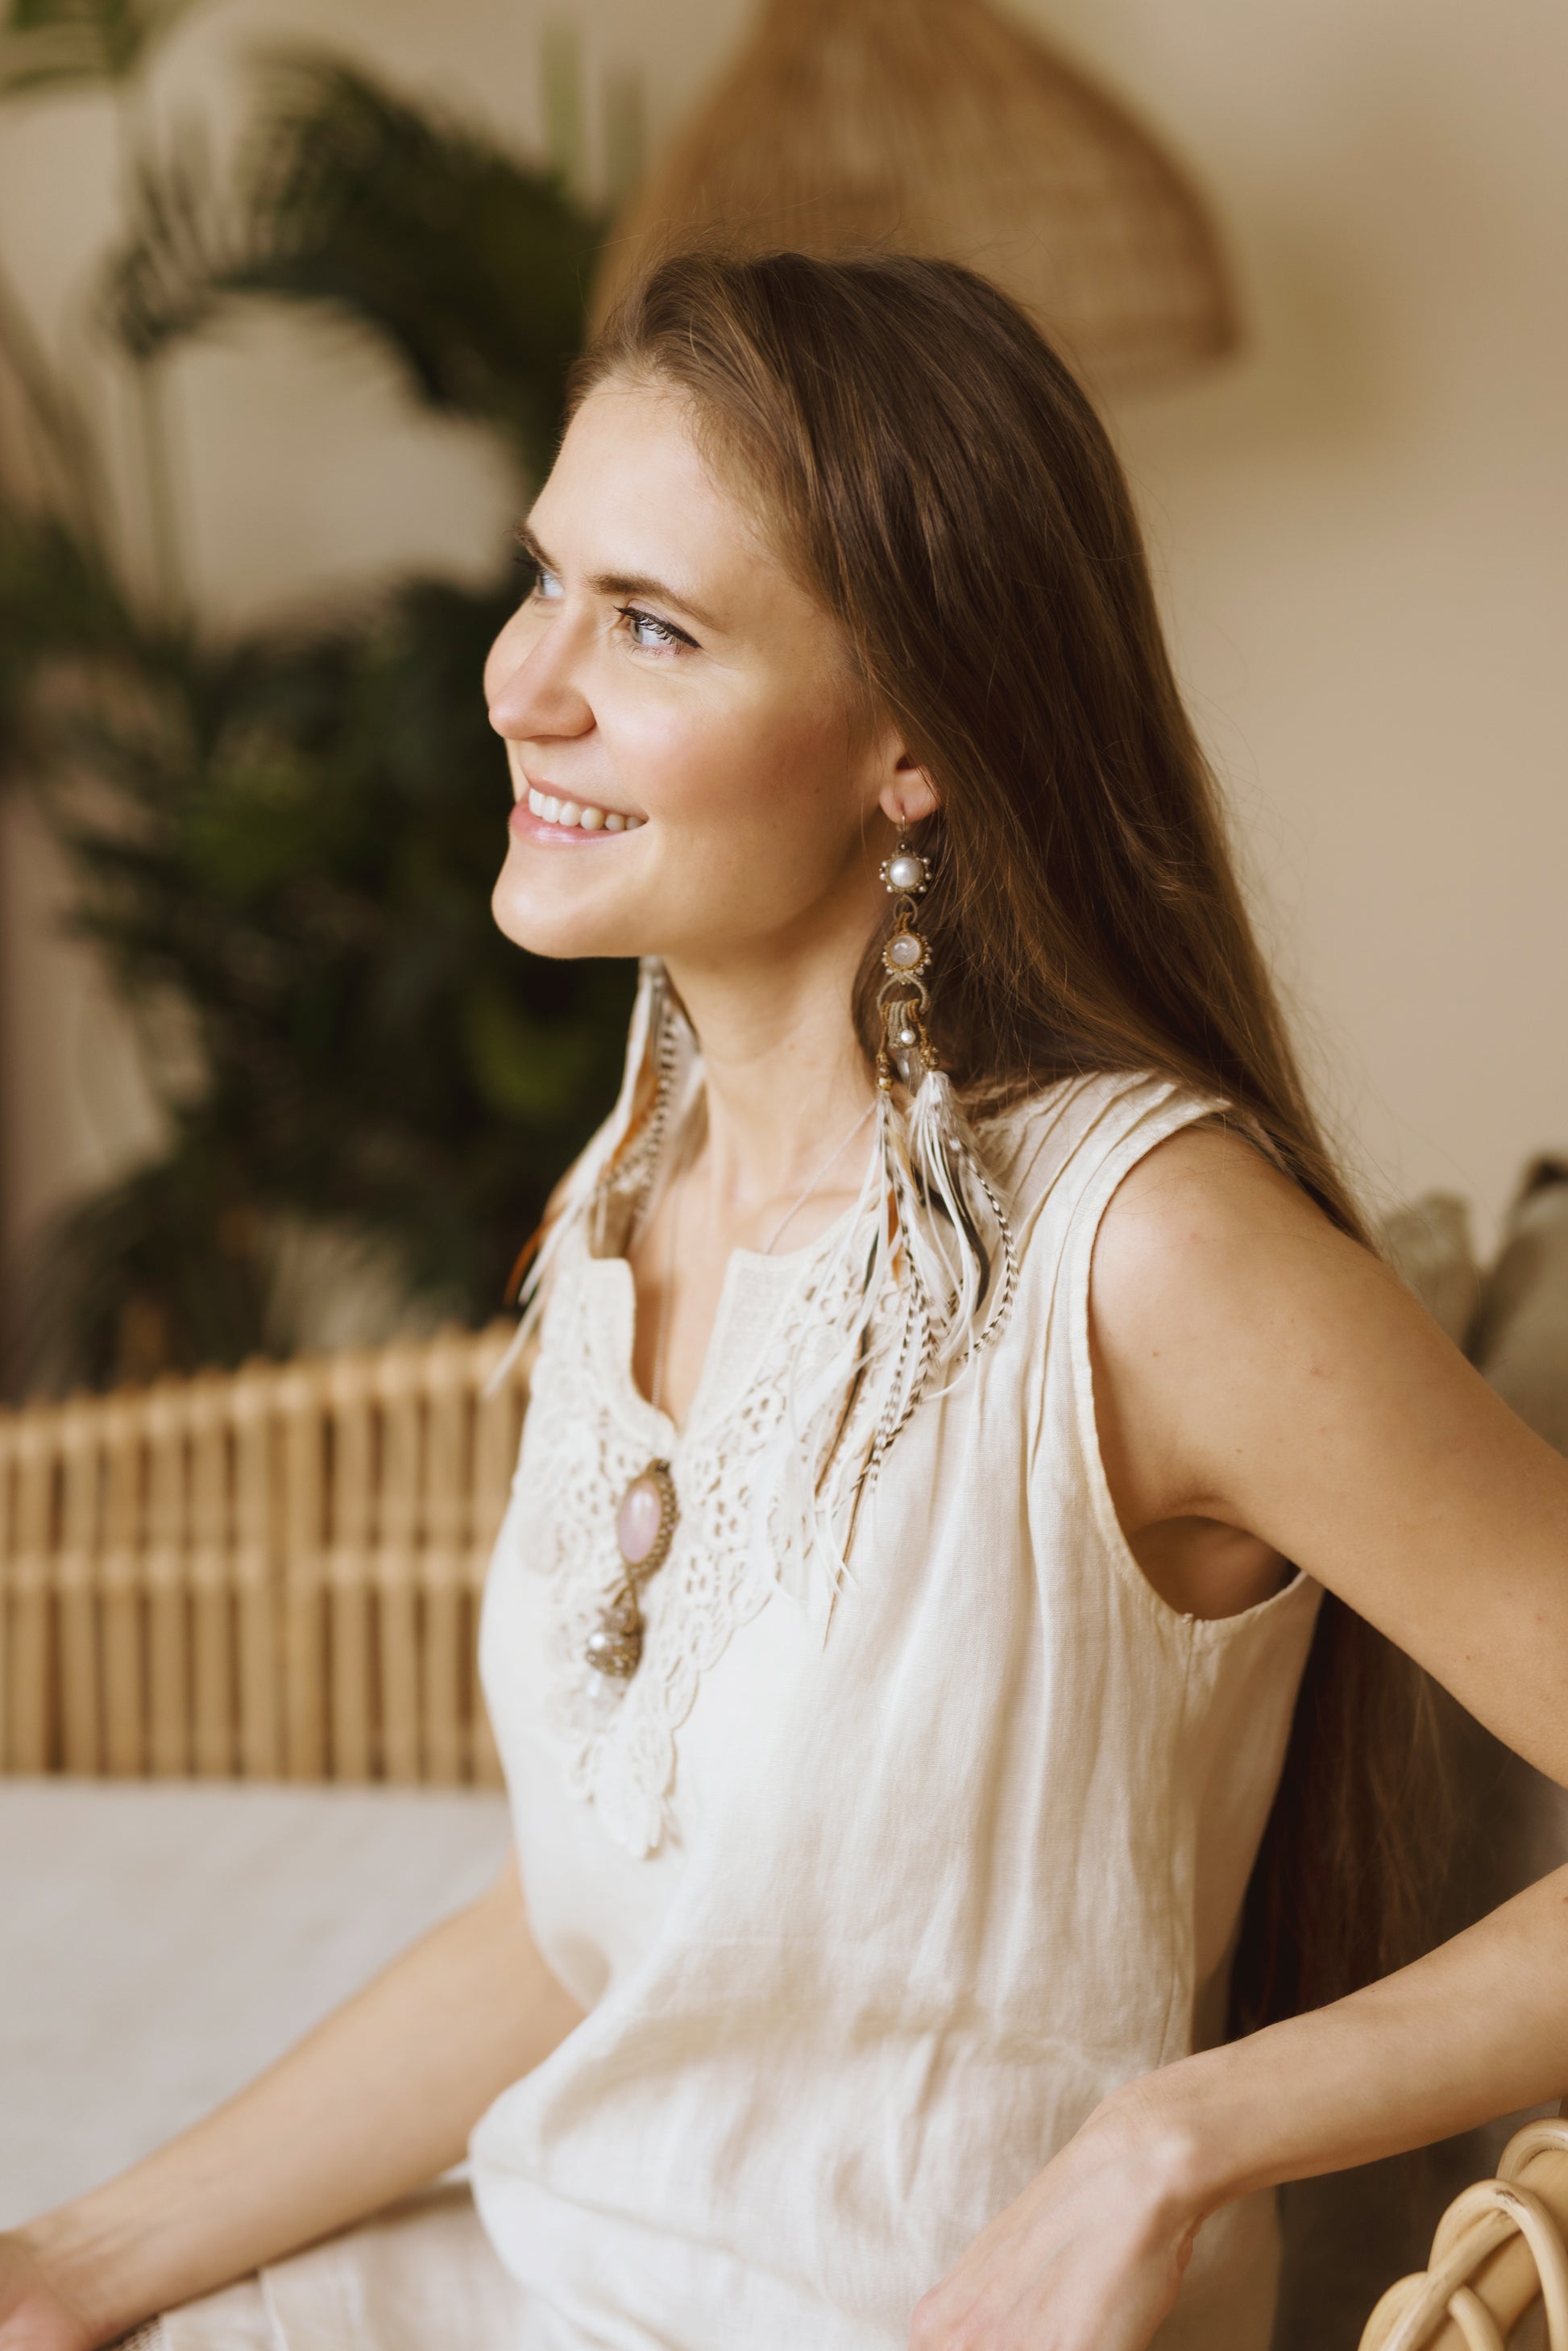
589 1433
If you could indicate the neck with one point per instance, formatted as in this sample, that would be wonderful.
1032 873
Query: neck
785 1078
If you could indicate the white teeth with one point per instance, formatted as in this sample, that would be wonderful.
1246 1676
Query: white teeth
579 812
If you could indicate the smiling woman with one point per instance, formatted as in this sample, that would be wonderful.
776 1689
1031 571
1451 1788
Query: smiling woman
956 1673
668 669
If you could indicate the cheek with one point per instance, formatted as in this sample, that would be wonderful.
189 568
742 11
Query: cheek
760 765
791 775
661 743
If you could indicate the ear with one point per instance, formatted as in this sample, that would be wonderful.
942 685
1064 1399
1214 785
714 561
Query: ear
906 796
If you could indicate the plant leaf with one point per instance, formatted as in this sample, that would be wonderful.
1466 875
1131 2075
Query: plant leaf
185 255
294 837
56 44
470 265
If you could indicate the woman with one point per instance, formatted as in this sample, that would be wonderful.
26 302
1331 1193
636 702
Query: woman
894 1637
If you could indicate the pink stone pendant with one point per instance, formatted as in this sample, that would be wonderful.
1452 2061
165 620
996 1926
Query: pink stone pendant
639 1518
644 1524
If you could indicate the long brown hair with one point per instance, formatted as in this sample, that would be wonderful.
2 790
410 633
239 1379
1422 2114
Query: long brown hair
939 479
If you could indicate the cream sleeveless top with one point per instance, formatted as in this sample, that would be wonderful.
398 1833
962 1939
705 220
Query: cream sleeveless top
869 1903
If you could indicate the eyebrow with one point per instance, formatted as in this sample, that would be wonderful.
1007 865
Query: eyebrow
619 583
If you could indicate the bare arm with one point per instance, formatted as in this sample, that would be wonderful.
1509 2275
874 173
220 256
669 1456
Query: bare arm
1478 2028
371 2104
1336 1422
1257 1371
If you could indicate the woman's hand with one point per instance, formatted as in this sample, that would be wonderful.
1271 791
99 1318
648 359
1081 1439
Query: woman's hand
1090 2256
34 2315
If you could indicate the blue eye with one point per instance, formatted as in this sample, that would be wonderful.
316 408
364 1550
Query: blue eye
660 633
542 585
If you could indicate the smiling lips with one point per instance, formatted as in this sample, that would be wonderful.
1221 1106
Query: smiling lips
581 814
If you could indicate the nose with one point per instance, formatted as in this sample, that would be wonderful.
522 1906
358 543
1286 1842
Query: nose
532 683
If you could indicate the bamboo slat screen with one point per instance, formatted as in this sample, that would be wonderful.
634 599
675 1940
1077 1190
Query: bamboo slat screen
268 1573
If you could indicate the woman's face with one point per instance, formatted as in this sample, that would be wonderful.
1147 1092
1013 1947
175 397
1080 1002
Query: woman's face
667 680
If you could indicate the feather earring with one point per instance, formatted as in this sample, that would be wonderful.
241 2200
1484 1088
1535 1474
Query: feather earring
923 1279
625 1158
955 1230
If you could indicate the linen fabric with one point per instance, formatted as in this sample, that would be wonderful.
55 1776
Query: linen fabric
421 2276
870 1894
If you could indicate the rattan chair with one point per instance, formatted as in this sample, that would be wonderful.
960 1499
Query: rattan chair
269 1573
1499 2249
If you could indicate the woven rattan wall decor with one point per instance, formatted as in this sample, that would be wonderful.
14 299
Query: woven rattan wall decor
267 1574
943 127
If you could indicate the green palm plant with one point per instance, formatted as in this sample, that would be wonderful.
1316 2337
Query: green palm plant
470 267
288 838
50 45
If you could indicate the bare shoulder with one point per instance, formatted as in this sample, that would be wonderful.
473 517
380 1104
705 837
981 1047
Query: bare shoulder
1206 1235
1257 1368
1198 1196
1216 1284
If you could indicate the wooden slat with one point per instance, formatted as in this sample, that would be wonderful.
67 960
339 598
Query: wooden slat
80 1436
214 1724
350 1388
301 1398
9 1546
167 1573
395 1570
122 1588
32 1744
273 1571
258 1568
448 1447
497 1426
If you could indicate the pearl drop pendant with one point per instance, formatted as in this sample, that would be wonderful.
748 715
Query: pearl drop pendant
906 873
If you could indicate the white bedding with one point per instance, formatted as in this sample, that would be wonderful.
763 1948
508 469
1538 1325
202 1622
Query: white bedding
159 1943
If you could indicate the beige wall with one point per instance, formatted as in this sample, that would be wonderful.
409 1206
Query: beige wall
1359 528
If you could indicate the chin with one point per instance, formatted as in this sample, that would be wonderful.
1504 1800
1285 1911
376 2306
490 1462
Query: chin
547 927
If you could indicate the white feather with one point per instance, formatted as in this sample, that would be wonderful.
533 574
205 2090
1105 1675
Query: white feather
905 1296
582 1187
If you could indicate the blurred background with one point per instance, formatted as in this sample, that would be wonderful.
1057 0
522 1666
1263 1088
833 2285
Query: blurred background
288 290
287 296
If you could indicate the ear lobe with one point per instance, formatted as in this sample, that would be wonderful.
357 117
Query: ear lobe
907 797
